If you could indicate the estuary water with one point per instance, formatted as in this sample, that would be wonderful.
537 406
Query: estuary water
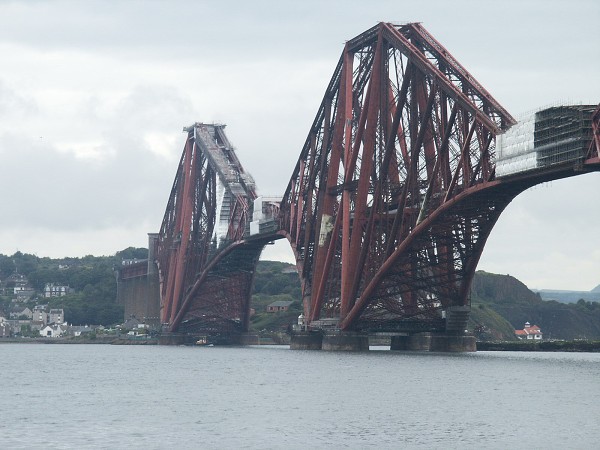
270 397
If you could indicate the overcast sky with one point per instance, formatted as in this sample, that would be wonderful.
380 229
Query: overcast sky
94 95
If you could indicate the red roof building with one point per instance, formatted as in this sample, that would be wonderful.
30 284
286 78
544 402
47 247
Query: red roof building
529 332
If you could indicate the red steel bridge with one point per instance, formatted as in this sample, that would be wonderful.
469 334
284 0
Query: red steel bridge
406 168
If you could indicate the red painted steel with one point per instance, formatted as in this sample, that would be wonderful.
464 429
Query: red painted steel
593 156
394 193
388 208
193 251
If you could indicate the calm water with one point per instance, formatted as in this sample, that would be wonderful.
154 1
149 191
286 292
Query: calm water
150 397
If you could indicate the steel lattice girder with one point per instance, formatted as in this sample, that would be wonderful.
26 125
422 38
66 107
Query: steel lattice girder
403 130
207 213
594 153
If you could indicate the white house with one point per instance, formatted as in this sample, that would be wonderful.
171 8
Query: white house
5 329
56 290
53 330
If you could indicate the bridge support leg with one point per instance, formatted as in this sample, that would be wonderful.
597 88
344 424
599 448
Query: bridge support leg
434 342
249 339
399 342
171 339
346 341
306 340
453 343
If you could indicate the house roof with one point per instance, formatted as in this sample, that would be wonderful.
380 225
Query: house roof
18 308
529 330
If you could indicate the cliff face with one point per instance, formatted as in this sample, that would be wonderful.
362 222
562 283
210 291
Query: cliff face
514 302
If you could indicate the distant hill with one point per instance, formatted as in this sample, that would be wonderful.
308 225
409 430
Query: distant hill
494 288
596 289
513 301
570 296
489 290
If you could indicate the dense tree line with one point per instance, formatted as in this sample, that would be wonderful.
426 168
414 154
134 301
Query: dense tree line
91 277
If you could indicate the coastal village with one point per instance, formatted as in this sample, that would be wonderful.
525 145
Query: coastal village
29 314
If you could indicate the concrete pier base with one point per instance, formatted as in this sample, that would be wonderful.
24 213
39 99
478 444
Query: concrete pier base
306 340
249 339
434 342
453 343
399 342
346 341
171 339
419 342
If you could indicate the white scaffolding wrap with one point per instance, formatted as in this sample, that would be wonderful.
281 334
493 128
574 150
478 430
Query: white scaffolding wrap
222 214
515 148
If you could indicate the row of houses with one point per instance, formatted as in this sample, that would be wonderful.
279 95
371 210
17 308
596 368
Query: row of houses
40 313
24 320
11 328
17 285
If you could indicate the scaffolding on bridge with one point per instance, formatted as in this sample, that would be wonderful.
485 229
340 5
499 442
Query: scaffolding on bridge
549 137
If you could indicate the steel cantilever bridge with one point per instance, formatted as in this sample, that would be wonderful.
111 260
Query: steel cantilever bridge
395 192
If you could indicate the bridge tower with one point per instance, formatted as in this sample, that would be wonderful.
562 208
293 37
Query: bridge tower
395 192
204 284
387 210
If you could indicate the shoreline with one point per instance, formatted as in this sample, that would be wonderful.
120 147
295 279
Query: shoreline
544 346
499 346
108 340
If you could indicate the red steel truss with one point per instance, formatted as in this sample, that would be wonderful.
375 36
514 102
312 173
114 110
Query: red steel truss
593 156
387 210
394 194
206 216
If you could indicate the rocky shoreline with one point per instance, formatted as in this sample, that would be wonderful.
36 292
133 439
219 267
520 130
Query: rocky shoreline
544 346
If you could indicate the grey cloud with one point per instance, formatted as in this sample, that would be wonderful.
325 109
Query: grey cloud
14 104
59 191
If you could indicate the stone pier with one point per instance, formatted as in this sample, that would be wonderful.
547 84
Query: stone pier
434 342
306 340
249 339
345 341
171 339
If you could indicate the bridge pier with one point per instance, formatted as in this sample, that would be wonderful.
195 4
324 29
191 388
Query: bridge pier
333 341
306 340
400 342
434 342
345 341
171 339
249 339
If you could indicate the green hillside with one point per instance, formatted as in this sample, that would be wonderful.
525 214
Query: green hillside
514 302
